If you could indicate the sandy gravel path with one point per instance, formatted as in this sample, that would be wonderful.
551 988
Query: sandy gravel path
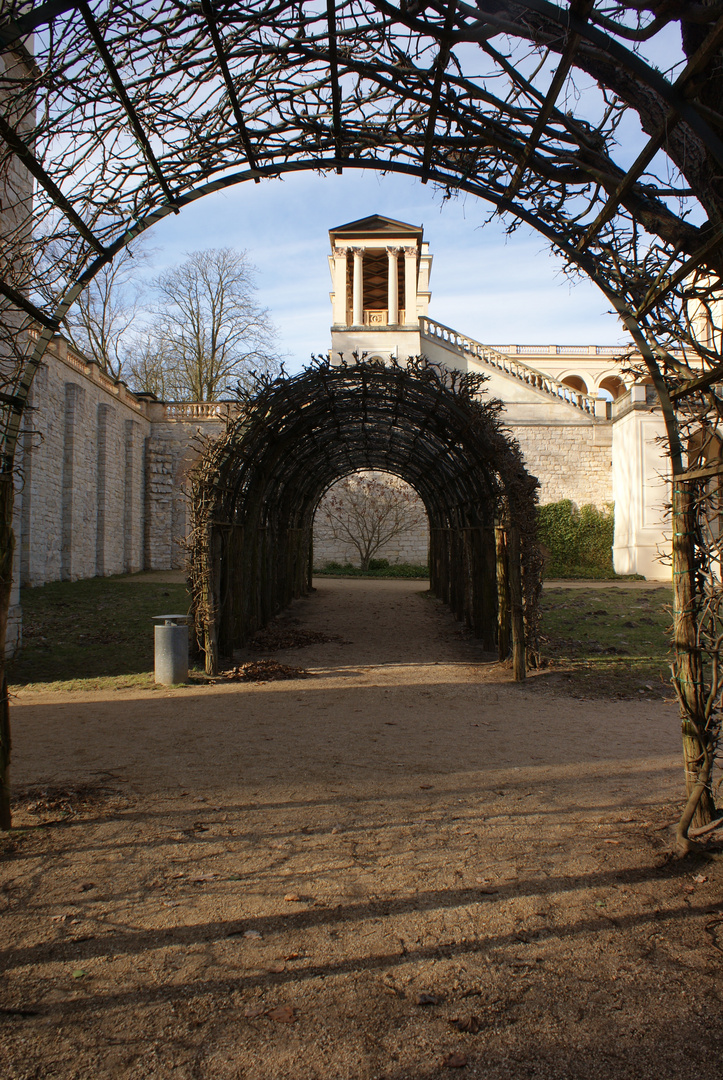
402 858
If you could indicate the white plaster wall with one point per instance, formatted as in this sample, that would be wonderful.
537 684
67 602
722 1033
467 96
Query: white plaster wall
641 491
381 341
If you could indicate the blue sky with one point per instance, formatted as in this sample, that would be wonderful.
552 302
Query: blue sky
495 288
498 289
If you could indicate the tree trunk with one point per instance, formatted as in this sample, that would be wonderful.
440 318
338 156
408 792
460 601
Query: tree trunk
7 545
519 647
503 595
688 676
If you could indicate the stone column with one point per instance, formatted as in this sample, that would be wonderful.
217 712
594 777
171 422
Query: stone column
340 315
358 289
101 490
70 529
410 286
392 287
129 497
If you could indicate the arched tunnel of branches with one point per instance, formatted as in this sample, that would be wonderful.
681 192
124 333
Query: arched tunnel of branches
256 489
595 122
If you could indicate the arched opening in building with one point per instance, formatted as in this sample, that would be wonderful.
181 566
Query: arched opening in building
613 386
256 490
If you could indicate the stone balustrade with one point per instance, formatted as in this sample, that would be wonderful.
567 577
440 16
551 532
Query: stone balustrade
503 362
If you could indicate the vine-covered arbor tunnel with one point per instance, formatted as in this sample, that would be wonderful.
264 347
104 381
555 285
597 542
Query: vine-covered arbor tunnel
256 491
582 119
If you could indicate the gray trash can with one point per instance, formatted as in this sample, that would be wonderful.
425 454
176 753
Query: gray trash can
171 649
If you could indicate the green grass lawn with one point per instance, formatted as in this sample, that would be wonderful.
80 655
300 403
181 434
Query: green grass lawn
98 634
92 634
611 642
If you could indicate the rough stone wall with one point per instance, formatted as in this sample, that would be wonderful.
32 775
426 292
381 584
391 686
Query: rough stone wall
409 547
16 253
412 548
171 450
571 462
80 479
102 486
101 478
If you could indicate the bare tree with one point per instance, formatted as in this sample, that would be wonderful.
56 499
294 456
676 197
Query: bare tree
148 365
208 330
367 510
100 322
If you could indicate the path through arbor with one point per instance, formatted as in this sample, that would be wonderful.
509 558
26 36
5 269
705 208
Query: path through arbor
408 856
256 488
170 103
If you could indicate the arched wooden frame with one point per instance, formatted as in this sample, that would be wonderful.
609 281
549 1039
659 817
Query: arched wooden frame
235 91
256 489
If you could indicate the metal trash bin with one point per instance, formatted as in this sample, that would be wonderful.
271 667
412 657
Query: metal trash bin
171 649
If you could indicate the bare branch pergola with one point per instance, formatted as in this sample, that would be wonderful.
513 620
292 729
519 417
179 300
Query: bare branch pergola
255 491
128 112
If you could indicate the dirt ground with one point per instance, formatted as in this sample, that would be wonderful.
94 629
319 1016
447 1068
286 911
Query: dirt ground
402 867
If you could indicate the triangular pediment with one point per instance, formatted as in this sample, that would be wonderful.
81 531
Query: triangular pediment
376 225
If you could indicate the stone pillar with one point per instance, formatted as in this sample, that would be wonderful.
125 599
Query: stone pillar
159 504
410 286
392 287
129 496
104 415
340 315
74 396
357 317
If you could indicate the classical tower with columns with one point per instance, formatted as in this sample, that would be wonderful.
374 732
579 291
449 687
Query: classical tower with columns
380 274
586 432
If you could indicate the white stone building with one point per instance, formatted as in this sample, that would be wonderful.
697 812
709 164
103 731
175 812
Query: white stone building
585 434
101 485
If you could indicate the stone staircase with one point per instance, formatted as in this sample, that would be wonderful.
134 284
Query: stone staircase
489 357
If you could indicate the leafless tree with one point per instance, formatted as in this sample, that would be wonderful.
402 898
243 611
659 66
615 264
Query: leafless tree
148 365
208 330
101 321
368 510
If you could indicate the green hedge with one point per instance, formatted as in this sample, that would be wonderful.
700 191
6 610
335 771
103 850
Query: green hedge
576 542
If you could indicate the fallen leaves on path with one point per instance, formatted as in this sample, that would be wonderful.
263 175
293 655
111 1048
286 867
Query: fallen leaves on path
263 671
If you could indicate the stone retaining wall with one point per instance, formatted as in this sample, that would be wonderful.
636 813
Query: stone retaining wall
81 476
570 461
411 548
102 477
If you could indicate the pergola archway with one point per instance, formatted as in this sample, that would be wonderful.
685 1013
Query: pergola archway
256 490
127 113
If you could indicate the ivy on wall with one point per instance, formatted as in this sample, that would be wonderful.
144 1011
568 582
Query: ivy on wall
577 541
